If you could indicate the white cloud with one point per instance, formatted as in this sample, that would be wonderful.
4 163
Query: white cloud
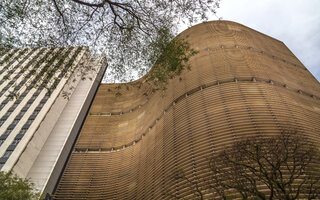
295 22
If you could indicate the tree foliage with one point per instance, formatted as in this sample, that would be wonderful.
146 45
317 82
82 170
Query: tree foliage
128 32
277 167
14 188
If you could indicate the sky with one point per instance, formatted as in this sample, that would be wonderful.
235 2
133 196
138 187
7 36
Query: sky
294 22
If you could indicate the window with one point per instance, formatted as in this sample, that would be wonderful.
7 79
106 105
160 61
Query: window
44 100
7 114
33 97
24 109
4 117
28 104
1 165
36 93
11 109
1 122
7 154
23 131
16 88
22 112
15 142
14 122
1 142
29 121
24 94
36 112
30 101
7 132
33 116
11 126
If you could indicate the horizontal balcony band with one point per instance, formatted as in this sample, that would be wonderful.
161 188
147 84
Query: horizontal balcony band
208 85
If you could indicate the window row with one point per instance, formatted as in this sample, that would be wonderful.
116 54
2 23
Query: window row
25 108
25 127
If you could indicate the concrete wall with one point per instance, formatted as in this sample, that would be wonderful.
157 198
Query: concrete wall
28 149
54 151
48 139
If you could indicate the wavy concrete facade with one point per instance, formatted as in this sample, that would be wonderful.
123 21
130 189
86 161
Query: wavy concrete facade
242 83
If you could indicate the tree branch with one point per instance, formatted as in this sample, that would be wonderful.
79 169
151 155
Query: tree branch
59 11
90 4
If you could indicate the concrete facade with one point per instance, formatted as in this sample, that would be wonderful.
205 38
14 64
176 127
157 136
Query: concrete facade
242 83
39 130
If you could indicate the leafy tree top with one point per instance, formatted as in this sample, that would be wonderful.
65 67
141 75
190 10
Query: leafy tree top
128 32
15 188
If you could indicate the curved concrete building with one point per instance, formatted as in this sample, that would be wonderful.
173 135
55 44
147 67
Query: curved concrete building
242 83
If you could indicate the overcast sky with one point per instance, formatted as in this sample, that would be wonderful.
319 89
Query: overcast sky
294 22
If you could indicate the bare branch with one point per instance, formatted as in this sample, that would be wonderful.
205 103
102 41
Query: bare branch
59 11
90 4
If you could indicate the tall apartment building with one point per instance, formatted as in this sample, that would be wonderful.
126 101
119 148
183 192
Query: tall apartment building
44 96
242 83
79 140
